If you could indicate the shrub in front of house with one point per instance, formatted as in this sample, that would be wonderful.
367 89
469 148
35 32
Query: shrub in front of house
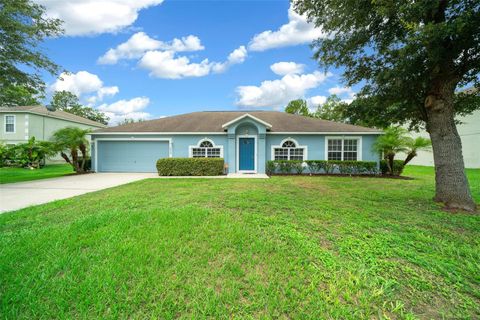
398 166
31 154
270 167
355 167
190 166
321 167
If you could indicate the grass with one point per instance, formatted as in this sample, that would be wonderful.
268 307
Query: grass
10 175
286 247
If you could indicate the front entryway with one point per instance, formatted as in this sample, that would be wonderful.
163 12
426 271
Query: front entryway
246 157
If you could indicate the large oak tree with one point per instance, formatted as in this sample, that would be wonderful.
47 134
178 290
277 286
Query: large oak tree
411 57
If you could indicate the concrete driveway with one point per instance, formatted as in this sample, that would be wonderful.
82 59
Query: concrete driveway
14 196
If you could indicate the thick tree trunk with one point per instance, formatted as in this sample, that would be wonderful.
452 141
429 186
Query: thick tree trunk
83 149
409 157
75 161
451 184
389 159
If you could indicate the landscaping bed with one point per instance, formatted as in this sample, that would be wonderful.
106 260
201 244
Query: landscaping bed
363 175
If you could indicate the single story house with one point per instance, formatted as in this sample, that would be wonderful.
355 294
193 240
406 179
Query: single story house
246 140
19 124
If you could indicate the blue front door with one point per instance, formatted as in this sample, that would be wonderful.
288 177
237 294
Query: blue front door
247 154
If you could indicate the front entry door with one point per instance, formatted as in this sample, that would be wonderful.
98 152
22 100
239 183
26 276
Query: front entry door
246 154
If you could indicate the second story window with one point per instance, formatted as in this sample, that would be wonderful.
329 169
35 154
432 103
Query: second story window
9 124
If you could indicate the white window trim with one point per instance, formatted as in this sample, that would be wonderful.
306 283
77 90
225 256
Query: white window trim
14 124
298 146
190 148
359 145
255 153
170 145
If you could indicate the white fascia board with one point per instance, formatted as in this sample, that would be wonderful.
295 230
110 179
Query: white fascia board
157 133
331 133
97 125
226 125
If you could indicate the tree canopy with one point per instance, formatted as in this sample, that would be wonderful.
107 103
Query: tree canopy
298 106
69 102
23 27
410 57
398 49
14 95
333 109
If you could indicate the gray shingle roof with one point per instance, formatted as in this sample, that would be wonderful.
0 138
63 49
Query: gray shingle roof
212 121
41 110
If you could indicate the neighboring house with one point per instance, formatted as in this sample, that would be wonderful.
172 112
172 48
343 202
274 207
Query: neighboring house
246 140
469 131
19 124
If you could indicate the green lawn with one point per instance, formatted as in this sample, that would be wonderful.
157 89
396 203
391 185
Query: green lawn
286 247
9 175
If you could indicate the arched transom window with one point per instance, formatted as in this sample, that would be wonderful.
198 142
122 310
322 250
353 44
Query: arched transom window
206 144
289 150
206 149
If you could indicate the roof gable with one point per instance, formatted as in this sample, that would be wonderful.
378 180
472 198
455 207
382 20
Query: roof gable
246 115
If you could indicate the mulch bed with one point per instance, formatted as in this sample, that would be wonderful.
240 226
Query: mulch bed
345 175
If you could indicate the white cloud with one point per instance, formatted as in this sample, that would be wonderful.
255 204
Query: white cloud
78 83
316 101
188 43
284 68
107 91
346 92
89 86
161 58
85 17
277 93
126 109
237 56
297 31
140 42
134 47
83 83
166 64
341 90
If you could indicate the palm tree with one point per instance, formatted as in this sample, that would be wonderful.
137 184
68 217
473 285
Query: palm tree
391 143
414 145
72 140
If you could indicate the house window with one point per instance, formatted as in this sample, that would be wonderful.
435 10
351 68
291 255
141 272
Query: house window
10 124
289 150
343 149
206 149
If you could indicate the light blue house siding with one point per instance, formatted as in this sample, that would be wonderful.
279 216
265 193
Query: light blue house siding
128 153
108 155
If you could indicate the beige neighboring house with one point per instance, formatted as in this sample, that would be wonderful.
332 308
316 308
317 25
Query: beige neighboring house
19 124
469 132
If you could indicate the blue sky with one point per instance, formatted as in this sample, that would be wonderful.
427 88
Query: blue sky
258 56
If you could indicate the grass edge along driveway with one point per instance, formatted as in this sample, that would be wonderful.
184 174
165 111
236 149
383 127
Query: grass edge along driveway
286 247
11 175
